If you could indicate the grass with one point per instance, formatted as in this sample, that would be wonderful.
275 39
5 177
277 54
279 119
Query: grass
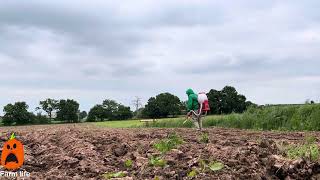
160 123
277 118
310 152
120 124
208 121
308 149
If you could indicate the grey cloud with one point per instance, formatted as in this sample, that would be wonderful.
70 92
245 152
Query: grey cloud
102 49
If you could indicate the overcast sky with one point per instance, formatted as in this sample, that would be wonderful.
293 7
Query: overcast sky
93 50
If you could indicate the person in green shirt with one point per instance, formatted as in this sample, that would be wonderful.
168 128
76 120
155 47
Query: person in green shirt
193 105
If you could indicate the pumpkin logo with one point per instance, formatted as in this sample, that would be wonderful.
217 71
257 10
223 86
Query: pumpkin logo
12 156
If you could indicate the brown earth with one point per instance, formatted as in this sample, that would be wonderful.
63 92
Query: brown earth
84 151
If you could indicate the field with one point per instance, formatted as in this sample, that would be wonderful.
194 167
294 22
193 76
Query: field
88 151
178 122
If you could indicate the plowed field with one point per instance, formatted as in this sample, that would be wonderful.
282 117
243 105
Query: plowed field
84 151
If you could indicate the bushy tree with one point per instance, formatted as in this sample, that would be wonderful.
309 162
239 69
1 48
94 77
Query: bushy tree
168 104
97 112
109 110
110 107
152 109
227 101
16 113
215 101
123 112
163 105
67 110
49 105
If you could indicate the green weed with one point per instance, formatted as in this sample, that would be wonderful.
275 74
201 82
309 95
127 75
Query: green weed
192 173
216 166
157 161
204 138
167 144
213 165
128 163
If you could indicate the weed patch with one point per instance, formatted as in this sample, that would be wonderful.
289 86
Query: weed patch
169 143
308 150
111 175
128 163
157 161
204 138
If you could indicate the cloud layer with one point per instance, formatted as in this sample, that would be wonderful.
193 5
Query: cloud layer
92 50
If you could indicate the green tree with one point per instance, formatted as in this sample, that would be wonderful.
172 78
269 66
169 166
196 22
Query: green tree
97 112
67 110
168 104
110 106
123 112
227 101
16 113
109 110
215 103
151 109
163 105
48 105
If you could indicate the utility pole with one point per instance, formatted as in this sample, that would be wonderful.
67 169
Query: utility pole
137 102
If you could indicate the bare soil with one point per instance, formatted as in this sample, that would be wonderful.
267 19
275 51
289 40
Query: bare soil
83 151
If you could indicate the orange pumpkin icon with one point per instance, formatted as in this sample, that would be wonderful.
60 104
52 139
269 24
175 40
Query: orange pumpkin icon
12 156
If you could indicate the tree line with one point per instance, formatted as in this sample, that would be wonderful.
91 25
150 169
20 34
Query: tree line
163 105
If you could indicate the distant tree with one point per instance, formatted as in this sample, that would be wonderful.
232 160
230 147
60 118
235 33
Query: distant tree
83 114
49 105
123 112
240 105
67 110
151 110
227 101
109 110
96 113
16 113
110 107
215 103
163 105
168 104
